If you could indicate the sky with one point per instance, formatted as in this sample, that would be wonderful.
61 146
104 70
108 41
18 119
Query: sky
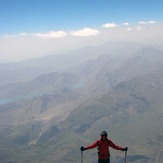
35 28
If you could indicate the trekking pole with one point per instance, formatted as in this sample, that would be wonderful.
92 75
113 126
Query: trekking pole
81 156
125 156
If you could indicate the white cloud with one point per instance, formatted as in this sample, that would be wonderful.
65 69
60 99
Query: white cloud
126 24
16 35
147 22
23 34
51 34
109 25
85 32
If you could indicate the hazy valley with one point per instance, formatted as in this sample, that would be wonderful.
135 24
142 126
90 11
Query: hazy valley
51 106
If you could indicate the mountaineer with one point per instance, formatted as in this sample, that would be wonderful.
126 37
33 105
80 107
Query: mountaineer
103 148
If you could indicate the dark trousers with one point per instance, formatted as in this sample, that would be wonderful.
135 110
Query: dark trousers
104 161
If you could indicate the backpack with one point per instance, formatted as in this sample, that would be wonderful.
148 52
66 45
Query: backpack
99 142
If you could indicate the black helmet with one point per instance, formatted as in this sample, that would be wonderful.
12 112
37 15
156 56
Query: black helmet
104 133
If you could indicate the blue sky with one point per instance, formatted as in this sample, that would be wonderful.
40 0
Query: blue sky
19 16
35 28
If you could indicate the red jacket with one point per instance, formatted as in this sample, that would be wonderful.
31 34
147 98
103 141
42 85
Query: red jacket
103 148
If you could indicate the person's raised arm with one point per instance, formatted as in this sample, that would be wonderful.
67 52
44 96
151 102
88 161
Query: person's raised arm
94 145
117 147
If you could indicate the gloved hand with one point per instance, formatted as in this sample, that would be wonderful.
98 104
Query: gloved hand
125 149
82 148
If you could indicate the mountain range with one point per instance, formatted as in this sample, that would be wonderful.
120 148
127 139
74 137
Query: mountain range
51 106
